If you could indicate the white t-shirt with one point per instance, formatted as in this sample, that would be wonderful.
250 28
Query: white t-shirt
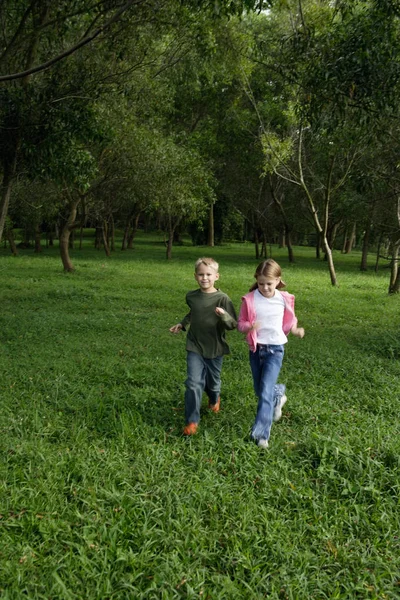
269 316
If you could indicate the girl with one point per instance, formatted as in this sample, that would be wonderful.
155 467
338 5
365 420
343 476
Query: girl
266 317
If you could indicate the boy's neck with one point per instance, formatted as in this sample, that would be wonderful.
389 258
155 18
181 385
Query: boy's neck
209 291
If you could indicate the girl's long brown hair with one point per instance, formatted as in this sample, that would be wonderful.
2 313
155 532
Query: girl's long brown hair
268 268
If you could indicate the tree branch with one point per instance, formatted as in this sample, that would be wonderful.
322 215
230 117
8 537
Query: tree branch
73 49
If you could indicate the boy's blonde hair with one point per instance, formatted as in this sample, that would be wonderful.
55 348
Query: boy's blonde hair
209 262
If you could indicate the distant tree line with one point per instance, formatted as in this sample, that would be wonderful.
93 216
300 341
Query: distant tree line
271 121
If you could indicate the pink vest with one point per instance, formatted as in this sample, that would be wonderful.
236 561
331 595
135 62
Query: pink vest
247 317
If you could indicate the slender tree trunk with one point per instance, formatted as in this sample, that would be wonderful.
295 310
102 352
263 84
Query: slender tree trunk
365 246
332 234
124 244
318 226
264 249
345 240
104 230
394 285
289 246
210 240
9 169
350 240
378 252
65 236
318 245
112 234
38 245
169 243
133 231
172 227
256 243
98 237
11 241
287 227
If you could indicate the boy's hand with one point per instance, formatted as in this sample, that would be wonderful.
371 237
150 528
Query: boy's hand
219 311
176 328
299 331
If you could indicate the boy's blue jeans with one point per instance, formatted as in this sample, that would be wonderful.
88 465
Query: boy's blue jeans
265 365
203 375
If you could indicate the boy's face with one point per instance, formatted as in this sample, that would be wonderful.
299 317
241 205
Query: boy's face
206 277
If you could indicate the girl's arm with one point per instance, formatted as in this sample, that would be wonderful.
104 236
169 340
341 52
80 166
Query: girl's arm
298 331
244 325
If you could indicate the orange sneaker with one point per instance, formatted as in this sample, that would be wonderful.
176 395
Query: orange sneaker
190 429
215 407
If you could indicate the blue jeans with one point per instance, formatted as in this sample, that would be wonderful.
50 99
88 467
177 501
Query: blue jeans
265 365
203 375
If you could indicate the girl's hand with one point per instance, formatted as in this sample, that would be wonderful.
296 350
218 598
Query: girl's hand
176 328
254 327
298 331
219 311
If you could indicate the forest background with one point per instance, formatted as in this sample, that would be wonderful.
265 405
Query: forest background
139 131
268 121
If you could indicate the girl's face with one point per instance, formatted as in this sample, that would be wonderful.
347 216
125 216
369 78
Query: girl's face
267 285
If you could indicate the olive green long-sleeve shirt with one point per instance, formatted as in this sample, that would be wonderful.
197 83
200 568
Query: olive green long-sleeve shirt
206 334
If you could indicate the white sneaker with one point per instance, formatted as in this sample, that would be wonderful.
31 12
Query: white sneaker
278 408
263 443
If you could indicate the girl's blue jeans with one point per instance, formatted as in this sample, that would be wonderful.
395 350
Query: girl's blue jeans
203 375
265 365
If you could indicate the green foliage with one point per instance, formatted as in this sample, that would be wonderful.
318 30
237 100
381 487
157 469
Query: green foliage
276 151
101 496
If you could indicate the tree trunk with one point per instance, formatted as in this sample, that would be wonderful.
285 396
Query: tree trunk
264 251
9 169
318 245
332 234
169 244
365 246
172 227
11 241
98 238
38 245
133 231
378 252
124 244
394 285
65 236
210 240
287 228
345 240
350 240
328 254
112 236
256 244
289 246
104 230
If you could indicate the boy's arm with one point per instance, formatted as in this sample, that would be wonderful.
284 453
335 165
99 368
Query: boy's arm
182 325
228 314
185 321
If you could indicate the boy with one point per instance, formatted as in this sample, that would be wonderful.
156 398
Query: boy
211 313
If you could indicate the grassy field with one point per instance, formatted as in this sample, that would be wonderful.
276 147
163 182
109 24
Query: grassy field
101 496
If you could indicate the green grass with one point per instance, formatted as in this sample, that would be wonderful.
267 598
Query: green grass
102 498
